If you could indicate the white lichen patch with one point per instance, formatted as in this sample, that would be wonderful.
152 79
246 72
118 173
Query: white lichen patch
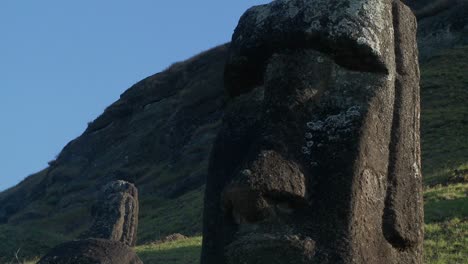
331 130
416 172
368 22
373 186
369 19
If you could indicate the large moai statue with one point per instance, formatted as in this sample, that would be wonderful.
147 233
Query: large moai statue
318 158
116 214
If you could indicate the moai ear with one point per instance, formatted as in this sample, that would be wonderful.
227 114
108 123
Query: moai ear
403 213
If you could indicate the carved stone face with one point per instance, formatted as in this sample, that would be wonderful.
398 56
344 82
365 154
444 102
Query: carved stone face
298 172
304 169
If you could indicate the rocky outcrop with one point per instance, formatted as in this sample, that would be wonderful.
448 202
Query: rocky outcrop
116 214
91 251
318 157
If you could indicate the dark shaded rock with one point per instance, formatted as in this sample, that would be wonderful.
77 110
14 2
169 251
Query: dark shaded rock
91 251
318 157
116 214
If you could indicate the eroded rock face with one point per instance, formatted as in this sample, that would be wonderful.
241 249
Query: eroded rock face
116 214
91 251
318 157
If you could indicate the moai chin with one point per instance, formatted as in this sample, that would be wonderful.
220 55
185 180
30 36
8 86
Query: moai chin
318 158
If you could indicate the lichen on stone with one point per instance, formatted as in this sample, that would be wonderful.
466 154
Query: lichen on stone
331 129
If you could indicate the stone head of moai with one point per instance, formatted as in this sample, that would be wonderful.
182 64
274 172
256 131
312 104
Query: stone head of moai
318 157
116 214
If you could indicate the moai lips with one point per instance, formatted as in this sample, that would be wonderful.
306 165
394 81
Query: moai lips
318 157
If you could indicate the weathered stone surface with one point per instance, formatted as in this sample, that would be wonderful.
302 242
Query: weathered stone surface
355 33
116 214
91 251
318 158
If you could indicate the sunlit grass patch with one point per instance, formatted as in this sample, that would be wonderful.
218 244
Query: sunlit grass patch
185 251
446 242
442 203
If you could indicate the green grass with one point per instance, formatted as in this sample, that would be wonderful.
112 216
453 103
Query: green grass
443 203
30 241
446 242
186 251
161 217
446 230
448 175
444 119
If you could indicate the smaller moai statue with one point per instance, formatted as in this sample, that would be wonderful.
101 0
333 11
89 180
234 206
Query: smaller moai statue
116 214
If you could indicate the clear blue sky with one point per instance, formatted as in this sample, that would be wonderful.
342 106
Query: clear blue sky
62 62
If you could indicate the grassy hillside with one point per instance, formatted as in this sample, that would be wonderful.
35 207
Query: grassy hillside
444 117
185 251
446 230
159 218
445 155
158 135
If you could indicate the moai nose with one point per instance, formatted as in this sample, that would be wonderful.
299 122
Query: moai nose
267 183
245 206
